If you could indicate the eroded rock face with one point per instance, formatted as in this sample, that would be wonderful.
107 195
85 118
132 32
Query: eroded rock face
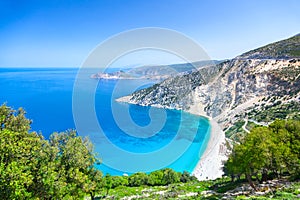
259 77
226 89
176 92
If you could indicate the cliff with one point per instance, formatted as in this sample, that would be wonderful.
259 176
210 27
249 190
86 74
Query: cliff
234 90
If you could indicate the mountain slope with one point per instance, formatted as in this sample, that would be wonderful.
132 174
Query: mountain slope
175 92
229 92
285 49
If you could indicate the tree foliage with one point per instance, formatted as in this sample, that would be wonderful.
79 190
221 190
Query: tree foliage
62 167
274 149
156 178
13 120
34 168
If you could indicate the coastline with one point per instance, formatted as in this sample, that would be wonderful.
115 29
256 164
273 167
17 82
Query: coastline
209 165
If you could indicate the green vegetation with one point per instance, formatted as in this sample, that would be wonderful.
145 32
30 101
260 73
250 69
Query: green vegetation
236 132
134 184
34 168
63 167
267 152
289 73
278 110
250 125
213 189
161 192
289 48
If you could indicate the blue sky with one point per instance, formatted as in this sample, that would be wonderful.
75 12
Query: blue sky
54 33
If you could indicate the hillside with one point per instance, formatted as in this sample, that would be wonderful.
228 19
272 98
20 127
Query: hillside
235 90
285 49
156 72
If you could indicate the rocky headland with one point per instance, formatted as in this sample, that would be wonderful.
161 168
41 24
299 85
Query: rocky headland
235 93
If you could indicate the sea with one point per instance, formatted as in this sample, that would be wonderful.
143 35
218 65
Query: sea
127 138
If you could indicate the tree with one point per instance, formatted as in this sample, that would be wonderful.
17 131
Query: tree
46 180
138 179
119 181
13 120
155 178
94 183
170 176
17 159
267 149
107 183
293 141
186 177
34 168
75 160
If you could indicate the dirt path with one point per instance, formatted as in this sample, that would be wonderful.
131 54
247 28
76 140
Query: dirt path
244 126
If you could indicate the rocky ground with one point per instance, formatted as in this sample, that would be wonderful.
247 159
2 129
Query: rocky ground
218 189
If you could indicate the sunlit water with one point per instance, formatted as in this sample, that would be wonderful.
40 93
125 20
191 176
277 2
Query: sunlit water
46 95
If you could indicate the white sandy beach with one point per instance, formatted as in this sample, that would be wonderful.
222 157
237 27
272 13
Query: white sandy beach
210 164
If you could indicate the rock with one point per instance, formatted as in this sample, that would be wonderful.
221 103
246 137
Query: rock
259 193
226 90
208 193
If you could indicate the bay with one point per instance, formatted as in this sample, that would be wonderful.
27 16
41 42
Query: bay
46 94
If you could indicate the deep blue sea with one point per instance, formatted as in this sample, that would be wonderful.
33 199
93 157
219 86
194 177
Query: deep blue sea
149 139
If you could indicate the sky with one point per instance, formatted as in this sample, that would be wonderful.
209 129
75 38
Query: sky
55 33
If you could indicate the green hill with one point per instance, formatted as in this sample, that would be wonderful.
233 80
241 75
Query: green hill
284 49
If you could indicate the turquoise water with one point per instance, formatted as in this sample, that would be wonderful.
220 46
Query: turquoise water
177 139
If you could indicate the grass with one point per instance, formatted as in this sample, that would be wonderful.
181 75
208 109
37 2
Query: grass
159 192
183 190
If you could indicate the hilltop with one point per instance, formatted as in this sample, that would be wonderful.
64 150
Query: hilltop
285 49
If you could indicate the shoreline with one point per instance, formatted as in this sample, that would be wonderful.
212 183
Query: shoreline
210 163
